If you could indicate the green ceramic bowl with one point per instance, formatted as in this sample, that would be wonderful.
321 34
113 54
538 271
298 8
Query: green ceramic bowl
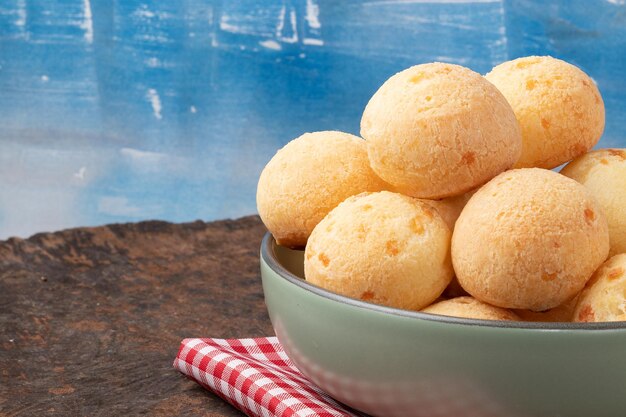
390 362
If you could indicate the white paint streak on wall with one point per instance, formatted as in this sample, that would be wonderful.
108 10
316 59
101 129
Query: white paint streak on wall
283 32
271 44
155 101
80 175
294 27
311 41
312 14
144 13
500 47
281 20
505 37
227 27
21 13
144 157
154 38
87 24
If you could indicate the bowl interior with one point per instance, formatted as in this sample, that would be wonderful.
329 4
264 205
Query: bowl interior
292 260
289 265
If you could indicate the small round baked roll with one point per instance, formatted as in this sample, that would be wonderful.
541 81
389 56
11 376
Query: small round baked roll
604 297
307 178
439 130
603 173
385 248
470 308
558 106
529 239
450 208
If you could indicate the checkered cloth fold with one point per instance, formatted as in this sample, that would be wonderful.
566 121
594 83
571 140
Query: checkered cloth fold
255 376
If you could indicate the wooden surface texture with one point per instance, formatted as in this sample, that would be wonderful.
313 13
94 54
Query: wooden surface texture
91 319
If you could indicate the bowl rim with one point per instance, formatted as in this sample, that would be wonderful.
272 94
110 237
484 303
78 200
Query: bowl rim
268 255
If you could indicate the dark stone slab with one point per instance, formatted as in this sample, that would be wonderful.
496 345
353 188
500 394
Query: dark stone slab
91 319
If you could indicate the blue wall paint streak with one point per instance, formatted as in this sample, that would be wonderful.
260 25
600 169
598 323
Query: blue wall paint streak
123 110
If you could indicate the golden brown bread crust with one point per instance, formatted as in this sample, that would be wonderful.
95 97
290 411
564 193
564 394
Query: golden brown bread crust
307 178
603 173
604 297
470 308
439 130
529 239
450 208
385 248
558 106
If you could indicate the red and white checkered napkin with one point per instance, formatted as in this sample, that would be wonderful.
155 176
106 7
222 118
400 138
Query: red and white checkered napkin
255 376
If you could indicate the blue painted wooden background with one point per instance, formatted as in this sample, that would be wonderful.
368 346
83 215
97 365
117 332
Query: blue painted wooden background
121 110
